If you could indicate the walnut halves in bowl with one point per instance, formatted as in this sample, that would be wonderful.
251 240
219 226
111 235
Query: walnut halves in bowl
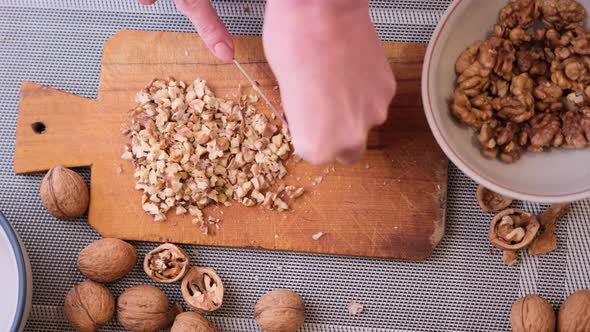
167 263
513 229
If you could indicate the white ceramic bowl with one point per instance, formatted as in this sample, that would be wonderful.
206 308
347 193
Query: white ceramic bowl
558 176
15 278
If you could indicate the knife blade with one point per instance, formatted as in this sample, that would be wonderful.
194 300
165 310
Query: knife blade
260 93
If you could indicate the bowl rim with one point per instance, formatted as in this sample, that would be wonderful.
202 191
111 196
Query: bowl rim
19 256
450 152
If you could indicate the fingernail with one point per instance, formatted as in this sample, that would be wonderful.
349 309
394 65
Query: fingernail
223 51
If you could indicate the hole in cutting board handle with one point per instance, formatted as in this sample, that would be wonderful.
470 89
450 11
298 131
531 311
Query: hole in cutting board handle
38 127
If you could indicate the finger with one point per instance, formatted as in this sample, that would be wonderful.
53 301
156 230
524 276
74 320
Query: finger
209 27
382 110
351 155
312 154
147 2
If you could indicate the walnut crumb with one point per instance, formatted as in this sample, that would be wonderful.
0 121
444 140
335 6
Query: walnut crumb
355 308
317 236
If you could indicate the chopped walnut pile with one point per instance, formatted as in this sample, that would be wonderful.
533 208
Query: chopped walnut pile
527 87
191 149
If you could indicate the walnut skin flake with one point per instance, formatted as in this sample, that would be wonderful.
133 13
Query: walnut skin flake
547 241
510 257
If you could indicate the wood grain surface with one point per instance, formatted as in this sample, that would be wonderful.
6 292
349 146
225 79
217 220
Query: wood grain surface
390 205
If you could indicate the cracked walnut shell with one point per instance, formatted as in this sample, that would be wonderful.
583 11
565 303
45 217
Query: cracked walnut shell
490 201
532 313
64 193
89 305
167 263
107 260
547 241
513 229
202 289
280 310
145 308
574 314
192 322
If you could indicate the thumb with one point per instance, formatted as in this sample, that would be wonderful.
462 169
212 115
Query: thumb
209 26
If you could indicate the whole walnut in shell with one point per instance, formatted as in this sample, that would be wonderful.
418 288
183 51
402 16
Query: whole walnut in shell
64 193
202 289
192 322
107 260
280 311
574 314
145 308
167 263
532 313
89 305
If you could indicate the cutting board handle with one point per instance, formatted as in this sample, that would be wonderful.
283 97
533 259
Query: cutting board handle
53 129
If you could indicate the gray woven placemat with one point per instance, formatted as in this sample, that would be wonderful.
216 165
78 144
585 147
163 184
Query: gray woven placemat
461 288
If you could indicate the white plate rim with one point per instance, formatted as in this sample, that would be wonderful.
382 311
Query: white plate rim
19 254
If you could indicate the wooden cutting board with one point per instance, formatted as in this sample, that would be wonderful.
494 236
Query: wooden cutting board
390 205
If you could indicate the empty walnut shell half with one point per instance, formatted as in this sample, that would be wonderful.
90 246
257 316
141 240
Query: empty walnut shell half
202 289
167 263
513 229
490 201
